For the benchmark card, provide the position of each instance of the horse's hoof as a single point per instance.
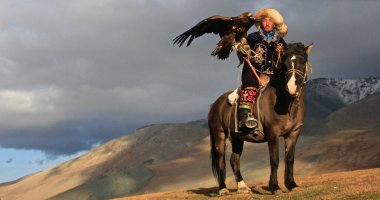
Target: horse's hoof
(244, 190)
(224, 191)
(277, 192)
(274, 188)
(291, 185)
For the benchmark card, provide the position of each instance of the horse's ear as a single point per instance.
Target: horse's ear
(308, 48)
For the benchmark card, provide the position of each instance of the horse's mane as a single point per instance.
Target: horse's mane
(295, 48)
(292, 48)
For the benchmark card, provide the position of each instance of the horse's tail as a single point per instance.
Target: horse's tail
(213, 151)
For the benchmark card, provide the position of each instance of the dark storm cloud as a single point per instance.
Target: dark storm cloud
(76, 73)
(344, 34)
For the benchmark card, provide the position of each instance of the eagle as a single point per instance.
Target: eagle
(232, 31)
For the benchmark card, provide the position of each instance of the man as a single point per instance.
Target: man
(267, 45)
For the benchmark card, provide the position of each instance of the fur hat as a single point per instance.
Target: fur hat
(279, 23)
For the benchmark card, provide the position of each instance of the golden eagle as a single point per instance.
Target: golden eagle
(232, 31)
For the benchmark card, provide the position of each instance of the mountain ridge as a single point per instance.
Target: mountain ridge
(348, 90)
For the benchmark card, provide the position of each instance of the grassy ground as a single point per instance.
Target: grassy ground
(360, 184)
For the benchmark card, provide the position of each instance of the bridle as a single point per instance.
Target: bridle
(304, 75)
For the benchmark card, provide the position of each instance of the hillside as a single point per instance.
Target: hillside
(360, 184)
(349, 139)
(351, 117)
(342, 148)
(324, 96)
(168, 157)
(118, 167)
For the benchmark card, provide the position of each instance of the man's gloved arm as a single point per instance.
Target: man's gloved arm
(243, 50)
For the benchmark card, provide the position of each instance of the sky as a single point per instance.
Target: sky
(77, 73)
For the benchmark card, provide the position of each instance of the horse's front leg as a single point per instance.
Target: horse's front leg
(237, 150)
(290, 146)
(273, 154)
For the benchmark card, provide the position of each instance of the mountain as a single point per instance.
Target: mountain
(346, 90)
(165, 157)
(348, 139)
(326, 95)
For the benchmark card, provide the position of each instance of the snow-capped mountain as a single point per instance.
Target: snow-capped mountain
(348, 91)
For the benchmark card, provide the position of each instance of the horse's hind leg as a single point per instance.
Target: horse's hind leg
(290, 146)
(237, 150)
(218, 145)
(274, 159)
(221, 172)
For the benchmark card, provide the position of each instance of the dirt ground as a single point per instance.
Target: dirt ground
(359, 184)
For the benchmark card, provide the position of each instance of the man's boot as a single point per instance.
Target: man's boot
(245, 116)
(246, 120)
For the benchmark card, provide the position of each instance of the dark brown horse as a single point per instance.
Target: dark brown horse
(281, 114)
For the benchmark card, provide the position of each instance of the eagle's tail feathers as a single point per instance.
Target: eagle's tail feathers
(221, 52)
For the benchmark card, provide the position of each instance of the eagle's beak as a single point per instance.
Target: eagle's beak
(251, 17)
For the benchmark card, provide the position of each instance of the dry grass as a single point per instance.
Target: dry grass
(360, 184)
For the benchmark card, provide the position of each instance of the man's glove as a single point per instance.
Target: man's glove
(280, 49)
(243, 51)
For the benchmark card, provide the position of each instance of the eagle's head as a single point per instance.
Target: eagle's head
(248, 15)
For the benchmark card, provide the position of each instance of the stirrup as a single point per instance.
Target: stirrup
(250, 122)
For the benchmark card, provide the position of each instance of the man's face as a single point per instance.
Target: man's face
(267, 24)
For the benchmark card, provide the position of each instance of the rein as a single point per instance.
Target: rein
(254, 71)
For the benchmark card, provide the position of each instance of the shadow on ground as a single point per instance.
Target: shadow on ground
(214, 191)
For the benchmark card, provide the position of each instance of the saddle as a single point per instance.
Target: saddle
(233, 99)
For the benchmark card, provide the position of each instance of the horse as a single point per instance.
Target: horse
(281, 114)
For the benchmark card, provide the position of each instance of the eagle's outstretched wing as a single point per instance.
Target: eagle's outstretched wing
(215, 24)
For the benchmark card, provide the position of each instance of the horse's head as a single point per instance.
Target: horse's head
(297, 67)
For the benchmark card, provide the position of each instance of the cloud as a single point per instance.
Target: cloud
(39, 162)
(79, 72)
(9, 160)
(37, 100)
